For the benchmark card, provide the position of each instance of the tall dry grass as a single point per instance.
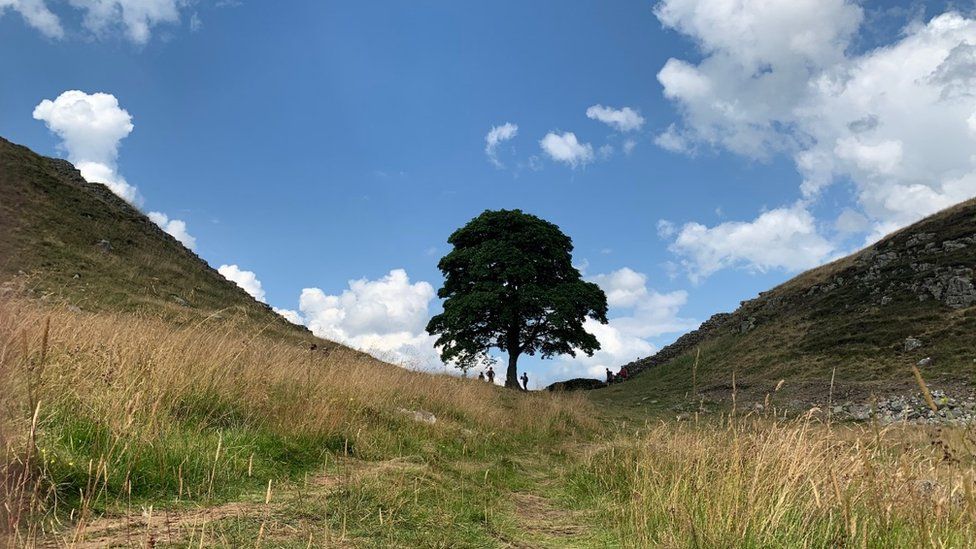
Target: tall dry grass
(763, 482)
(103, 410)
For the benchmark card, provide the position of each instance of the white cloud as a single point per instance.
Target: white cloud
(624, 287)
(784, 238)
(665, 228)
(386, 317)
(567, 149)
(629, 146)
(776, 77)
(135, 18)
(672, 140)
(495, 137)
(642, 313)
(37, 15)
(622, 120)
(91, 126)
(291, 316)
(174, 227)
(851, 222)
(245, 279)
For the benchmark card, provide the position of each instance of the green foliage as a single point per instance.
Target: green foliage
(510, 284)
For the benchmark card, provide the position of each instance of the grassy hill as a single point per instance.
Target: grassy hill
(850, 321)
(68, 241)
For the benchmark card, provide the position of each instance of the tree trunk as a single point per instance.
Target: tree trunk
(511, 376)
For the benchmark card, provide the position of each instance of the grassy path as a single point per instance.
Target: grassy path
(391, 503)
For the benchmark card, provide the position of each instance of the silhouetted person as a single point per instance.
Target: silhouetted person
(481, 376)
(609, 376)
(622, 375)
(525, 380)
(491, 374)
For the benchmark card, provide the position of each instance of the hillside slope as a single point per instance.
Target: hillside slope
(864, 320)
(63, 239)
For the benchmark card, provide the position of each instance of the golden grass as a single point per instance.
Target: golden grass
(133, 405)
(107, 414)
(762, 482)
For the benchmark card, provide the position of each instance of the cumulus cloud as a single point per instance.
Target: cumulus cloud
(622, 120)
(784, 238)
(247, 280)
(37, 15)
(175, 228)
(637, 313)
(386, 317)
(567, 149)
(495, 137)
(291, 316)
(91, 126)
(777, 77)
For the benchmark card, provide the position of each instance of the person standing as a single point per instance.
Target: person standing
(490, 373)
(525, 381)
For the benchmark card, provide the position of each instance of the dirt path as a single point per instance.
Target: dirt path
(539, 522)
(544, 524)
(189, 526)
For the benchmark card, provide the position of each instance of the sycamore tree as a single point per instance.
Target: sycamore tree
(510, 284)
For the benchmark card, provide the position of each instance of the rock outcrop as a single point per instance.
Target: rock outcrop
(928, 267)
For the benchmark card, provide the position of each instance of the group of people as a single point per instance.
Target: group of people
(489, 376)
(622, 375)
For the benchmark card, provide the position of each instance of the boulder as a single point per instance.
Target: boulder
(912, 343)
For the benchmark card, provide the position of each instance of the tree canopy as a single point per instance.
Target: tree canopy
(510, 284)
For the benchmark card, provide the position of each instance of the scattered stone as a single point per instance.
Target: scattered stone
(74, 308)
(419, 416)
(927, 361)
(104, 245)
(912, 343)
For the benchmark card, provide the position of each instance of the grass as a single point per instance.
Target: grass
(851, 316)
(51, 227)
(754, 482)
(134, 431)
(132, 412)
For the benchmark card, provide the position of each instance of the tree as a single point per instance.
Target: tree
(510, 284)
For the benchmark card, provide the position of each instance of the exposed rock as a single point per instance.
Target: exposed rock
(927, 361)
(420, 416)
(952, 245)
(920, 238)
(912, 343)
(104, 245)
(960, 292)
(747, 325)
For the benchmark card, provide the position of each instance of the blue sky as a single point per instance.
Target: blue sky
(316, 143)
